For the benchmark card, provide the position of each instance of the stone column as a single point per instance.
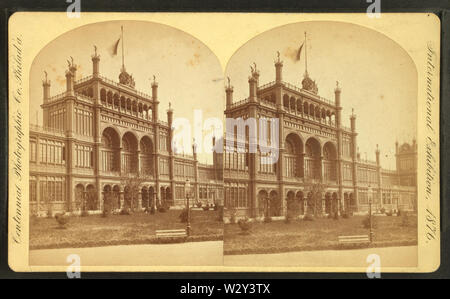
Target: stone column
(138, 161)
(122, 199)
(139, 207)
(38, 194)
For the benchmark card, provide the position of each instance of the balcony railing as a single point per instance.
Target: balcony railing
(319, 98)
(82, 80)
(57, 97)
(49, 130)
(267, 85)
(84, 97)
(118, 85)
(236, 104)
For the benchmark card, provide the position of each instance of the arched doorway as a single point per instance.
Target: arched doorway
(168, 196)
(292, 207)
(116, 197)
(301, 202)
(327, 203)
(145, 199)
(352, 202)
(127, 197)
(275, 204)
(335, 202)
(79, 197)
(91, 198)
(163, 195)
(107, 198)
(151, 195)
(263, 203)
(346, 202)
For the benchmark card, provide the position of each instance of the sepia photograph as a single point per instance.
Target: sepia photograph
(104, 173)
(224, 142)
(325, 154)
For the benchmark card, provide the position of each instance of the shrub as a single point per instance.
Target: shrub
(389, 213)
(199, 204)
(49, 212)
(345, 215)
(233, 215)
(206, 208)
(267, 219)
(382, 210)
(233, 218)
(366, 222)
(216, 207)
(84, 213)
(105, 213)
(245, 225)
(405, 220)
(125, 211)
(308, 217)
(336, 216)
(62, 219)
(333, 215)
(161, 209)
(183, 216)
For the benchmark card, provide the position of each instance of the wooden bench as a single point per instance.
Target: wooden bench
(171, 233)
(354, 239)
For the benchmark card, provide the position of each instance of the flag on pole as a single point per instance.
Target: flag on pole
(299, 52)
(115, 47)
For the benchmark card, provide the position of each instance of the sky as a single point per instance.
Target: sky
(377, 77)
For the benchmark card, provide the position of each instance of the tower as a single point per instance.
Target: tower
(229, 93)
(95, 63)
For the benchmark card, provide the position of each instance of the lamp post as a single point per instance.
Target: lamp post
(187, 189)
(370, 213)
(396, 195)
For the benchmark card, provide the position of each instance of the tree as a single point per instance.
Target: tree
(314, 190)
(109, 203)
(132, 183)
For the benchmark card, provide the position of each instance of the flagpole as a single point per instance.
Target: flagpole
(123, 59)
(306, 56)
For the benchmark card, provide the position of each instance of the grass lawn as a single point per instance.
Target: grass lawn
(139, 228)
(278, 236)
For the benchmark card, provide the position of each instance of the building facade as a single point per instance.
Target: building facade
(314, 148)
(97, 136)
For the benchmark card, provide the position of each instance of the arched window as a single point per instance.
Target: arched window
(312, 159)
(146, 158)
(129, 153)
(110, 150)
(293, 156)
(329, 162)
